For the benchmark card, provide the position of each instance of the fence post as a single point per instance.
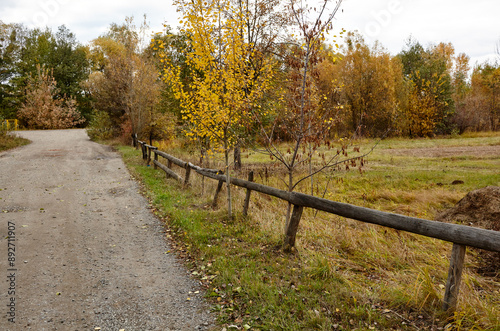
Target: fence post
(292, 228)
(144, 151)
(150, 149)
(134, 140)
(169, 164)
(247, 197)
(156, 159)
(454, 277)
(217, 191)
(188, 173)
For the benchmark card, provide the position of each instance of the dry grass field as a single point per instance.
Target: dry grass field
(345, 275)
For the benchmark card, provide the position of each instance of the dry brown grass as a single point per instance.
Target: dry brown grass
(379, 265)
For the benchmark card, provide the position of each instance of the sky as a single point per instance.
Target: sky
(473, 27)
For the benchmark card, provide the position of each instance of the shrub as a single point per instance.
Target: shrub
(100, 126)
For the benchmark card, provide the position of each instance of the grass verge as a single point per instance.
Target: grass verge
(346, 275)
(8, 141)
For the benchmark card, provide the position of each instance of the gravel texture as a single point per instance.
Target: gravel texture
(89, 253)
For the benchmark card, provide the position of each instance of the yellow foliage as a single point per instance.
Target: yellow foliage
(219, 100)
(422, 112)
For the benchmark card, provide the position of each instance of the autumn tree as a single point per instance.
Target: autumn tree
(174, 48)
(461, 90)
(217, 102)
(370, 79)
(304, 123)
(330, 86)
(44, 108)
(482, 102)
(63, 55)
(265, 26)
(124, 83)
(429, 88)
(142, 102)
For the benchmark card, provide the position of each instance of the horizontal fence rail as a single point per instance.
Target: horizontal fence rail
(455, 233)
(460, 235)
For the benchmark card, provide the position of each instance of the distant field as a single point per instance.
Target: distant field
(346, 274)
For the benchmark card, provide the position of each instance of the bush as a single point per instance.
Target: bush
(3, 127)
(160, 127)
(42, 109)
(100, 126)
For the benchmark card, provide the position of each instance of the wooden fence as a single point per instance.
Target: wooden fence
(460, 235)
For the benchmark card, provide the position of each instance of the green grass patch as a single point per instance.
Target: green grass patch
(9, 141)
(248, 279)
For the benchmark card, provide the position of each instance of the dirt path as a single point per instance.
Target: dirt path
(88, 252)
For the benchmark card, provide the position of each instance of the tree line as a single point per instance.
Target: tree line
(126, 82)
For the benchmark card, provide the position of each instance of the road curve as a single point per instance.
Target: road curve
(85, 250)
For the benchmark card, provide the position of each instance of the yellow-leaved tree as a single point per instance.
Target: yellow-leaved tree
(225, 87)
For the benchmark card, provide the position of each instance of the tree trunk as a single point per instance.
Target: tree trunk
(289, 208)
(311, 167)
(134, 140)
(237, 157)
(292, 228)
(202, 157)
(228, 183)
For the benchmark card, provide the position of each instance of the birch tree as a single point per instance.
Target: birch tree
(225, 86)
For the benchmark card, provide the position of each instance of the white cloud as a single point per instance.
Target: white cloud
(86, 19)
(472, 27)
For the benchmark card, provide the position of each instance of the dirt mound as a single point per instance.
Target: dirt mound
(479, 208)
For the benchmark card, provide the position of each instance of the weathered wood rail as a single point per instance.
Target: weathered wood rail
(460, 235)
(146, 155)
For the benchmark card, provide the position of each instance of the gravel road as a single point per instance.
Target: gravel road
(88, 254)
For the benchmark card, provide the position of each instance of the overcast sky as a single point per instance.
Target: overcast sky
(472, 26)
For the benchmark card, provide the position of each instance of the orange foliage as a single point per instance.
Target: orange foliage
(42, 110)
